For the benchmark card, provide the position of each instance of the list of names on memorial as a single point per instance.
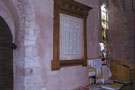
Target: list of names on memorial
(71, 38)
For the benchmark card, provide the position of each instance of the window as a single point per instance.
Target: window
(104, 25)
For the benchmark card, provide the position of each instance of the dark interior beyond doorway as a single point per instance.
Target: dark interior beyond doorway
(6, 57)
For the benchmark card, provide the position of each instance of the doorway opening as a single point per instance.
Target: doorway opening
(6, 57)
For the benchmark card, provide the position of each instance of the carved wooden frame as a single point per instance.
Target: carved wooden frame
(73, 8)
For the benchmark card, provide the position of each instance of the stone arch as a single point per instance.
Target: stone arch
(27, 66)
(9, 21)
(7, 17)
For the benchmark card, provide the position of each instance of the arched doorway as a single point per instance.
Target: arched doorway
(6, 57)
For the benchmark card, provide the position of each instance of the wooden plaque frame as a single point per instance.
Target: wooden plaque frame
(75, 9)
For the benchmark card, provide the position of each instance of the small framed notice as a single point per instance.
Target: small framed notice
(69, 42)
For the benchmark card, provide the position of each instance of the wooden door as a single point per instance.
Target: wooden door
(6, 57)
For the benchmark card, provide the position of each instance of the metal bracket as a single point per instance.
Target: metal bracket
(9, 45)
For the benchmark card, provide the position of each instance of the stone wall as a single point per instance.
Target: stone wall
(27, 68)
(33, 34)
(31, 60)
(122, 30)
(69, 77)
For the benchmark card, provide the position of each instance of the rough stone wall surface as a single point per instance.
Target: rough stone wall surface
(69, 77)
(31, 60)
(122, 30)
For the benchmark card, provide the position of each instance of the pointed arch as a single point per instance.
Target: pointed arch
(25, 32)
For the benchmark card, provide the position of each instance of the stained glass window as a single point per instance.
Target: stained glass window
(104, 16)
(104, 24)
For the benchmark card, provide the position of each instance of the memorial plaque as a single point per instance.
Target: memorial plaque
(70, 34)
(71, 37)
